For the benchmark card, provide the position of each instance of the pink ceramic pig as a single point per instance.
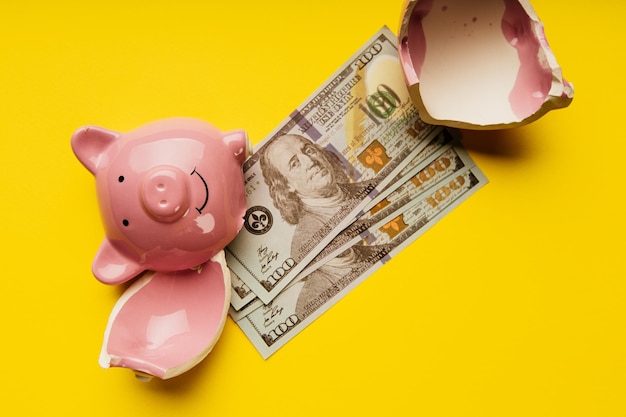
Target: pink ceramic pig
(171, 196)
(170, 192)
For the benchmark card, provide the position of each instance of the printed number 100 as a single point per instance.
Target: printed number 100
(381, 104)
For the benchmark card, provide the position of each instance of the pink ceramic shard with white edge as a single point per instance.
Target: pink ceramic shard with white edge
(482, 64)
(167, 322)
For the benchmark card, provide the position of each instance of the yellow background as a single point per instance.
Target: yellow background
(513, 305)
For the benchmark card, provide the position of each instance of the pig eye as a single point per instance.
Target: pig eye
(125, 222)
(120, 178)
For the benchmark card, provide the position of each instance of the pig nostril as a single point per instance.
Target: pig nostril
(161, 187)
(163, 203)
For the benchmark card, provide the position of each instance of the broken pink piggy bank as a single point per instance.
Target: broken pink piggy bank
(483, 64)
(171, 197)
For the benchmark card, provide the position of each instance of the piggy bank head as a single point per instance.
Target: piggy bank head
(171, 194)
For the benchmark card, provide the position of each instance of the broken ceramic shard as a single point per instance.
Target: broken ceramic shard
(167, 322)
(482, 64)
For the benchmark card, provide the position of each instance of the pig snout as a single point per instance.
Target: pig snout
(165, 193)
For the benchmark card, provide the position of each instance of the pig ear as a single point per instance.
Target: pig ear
(90, 142)
(238, 143)
(111, 266)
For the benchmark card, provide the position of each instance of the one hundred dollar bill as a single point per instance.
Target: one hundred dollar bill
(272, 326)
(322, 166)
(446, 161)
(243, 296)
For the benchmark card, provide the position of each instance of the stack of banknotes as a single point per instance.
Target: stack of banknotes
(342, 185)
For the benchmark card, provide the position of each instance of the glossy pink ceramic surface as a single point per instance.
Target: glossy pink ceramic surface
(167, 322)
(170, 194)
(481, 64)
(171, 197)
